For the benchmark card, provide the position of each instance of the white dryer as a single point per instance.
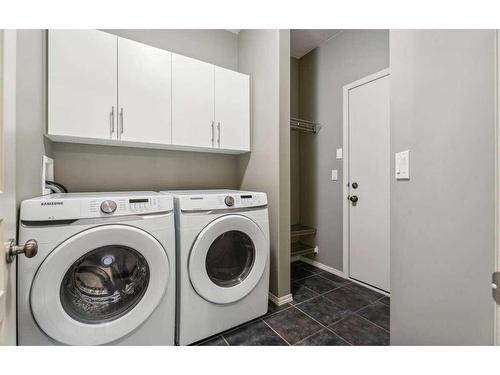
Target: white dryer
(104, 272)
(222, 239)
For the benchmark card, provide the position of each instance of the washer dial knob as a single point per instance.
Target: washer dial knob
(229, 201)
(108, 206)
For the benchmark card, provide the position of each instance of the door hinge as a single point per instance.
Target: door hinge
(495, 286)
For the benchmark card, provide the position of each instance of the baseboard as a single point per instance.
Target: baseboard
(324, 267)
(341, 274)
(370, 287)
(278, 301)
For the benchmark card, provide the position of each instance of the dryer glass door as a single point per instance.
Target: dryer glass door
(228, 259)
(99, 285)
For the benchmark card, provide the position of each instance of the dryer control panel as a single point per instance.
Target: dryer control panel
(218, 200)
(74, 206)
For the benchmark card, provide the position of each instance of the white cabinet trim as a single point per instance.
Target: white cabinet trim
(157, 146)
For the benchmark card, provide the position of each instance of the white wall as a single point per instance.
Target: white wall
(101, 168)
(442, 219)
(265, 55)
(349, 56)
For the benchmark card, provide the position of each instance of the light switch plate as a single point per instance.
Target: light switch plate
(339, 153)
(334, 175)
(402, 165)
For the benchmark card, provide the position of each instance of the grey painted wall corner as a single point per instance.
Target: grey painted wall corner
(262, 55)
(347, 57)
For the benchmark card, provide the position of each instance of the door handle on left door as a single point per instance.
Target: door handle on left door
(121, 123)
(218, 133)
(29, 249)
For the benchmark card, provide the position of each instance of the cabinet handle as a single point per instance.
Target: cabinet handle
(112, 121)
(218, 133)
(213, 122)
(121, 121)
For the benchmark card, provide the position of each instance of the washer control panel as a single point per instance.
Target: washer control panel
(74, 206)
(127, 206)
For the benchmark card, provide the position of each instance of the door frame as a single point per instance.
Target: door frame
(8, 148)
(345, 165)
(496, 324)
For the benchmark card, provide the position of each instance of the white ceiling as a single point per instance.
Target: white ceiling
(304, 41)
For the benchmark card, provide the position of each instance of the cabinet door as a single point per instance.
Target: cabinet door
(144, 93)
(232, 109)
(82, 83)
(192, 102)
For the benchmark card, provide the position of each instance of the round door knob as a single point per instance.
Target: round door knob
(108, 206)
(353, 198)
(229, 201)
(29, 249)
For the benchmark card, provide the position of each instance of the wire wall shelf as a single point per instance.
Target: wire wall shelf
(304, 126)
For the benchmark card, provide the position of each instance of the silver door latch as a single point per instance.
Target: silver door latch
(29, 249)
(495, 286)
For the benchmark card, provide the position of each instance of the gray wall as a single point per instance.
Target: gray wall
(107, 168)
(349, 56)
(31, 113)
(442, 220)
(101, 168)
(265, 55)
(284, 164)
(294, 144)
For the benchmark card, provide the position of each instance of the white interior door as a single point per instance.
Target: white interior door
(82, 84)
(144, 93)
(192, 102)
(7, 184)
(232, 109)
(369, 177)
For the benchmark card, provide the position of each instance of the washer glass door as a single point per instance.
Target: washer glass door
(99, 285)
(228, 259)
(104, 284)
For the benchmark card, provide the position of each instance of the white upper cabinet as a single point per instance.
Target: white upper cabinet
(104, 89)
(232, 109)
(192, 102)
(144, 93)
(82, 83)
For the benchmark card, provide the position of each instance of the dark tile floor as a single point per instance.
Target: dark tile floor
(326, 310)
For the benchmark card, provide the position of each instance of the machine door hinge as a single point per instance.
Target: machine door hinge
(495, 285)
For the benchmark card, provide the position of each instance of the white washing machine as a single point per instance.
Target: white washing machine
(222, 239)
(104, 273)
